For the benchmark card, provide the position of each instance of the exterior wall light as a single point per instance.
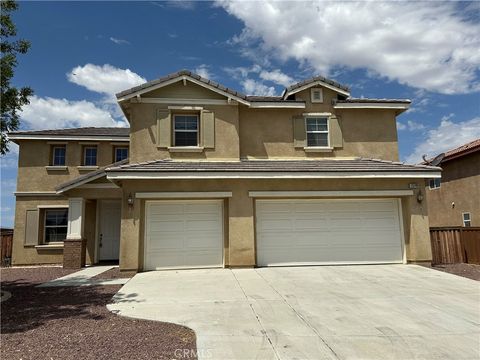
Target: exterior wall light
(419, 197)
(130, 200)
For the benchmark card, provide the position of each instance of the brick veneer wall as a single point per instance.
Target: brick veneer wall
(74, 252)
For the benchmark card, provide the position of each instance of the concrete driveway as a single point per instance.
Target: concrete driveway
(326, 312)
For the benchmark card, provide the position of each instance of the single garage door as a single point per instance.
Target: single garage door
(183, 234)
(309, 232)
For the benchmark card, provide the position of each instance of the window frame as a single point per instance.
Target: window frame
(85, 155)
(116, 148)
(45, 226)
(197, 116)
(312, 98)
(317, 131)
(52, 160)
(434, 182)
(465, 221)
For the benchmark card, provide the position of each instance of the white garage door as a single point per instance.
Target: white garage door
(183, 234)
(308, 232)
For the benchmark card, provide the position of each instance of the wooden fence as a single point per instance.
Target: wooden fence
(452, 245)
(6, 236)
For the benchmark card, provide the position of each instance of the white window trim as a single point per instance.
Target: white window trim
(312, 99)
(53, 155)
(60, 207)
(317, 148)
(197, 131)
(435, 187)
(469, 219)
(84, 165)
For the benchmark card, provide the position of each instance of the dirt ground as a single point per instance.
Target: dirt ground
(74, 323)
(115, 273)
(471, 271)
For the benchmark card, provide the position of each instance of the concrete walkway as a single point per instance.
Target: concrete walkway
(325, 312)
(84, 278)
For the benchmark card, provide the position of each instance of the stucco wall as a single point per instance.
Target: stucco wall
(240, 247)
(460, 184)
(34, 156)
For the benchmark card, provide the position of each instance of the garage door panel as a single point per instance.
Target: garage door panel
(328, 231)
(183, 234)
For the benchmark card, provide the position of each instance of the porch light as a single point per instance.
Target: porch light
(419, 197)
(130, 200)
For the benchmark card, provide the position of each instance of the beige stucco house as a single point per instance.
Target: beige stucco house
(208, 177)
(454, 200)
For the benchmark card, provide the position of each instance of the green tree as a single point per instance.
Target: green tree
(12, 98)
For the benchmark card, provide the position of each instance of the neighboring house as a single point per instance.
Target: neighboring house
(216, 178)
(454, 200)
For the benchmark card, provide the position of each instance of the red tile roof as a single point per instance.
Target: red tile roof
(465, 149)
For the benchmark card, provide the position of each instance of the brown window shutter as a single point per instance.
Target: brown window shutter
(336, 138)
(207, 128)
(31, 228)
(164, 129)
(299, 132)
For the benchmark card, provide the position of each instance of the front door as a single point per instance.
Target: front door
(109, 236)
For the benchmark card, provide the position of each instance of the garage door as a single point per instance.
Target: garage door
(183, 234)
(308, 232)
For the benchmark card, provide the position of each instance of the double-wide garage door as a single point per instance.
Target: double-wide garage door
(301, 232)
(183, 234)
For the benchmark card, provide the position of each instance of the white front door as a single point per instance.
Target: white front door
(183, 234)
(309, 232)
(109, 236)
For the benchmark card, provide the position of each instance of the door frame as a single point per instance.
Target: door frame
(145, 232)
(397, 203)
(98, 226)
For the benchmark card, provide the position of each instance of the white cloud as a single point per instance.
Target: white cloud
(51, 113)
(401, 126)
(10, 160)
(119, 41)
(105, 79)
(410, 126)
(427, 45)
(203, 71)
(253, 87)
(448, 135)
(277, 77)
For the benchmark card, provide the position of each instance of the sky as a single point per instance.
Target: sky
(84, 52)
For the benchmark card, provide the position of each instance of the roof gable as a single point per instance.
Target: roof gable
(316, 81)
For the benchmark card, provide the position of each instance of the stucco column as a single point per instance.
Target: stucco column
(74, 249)
(131, 236)
(417, 229)
(241, 233)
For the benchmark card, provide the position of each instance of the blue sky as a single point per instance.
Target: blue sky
(82, 53)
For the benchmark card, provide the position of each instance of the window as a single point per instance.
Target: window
(90, 156)
(317, 132)
(56, 221)
(185, 130)
(434, 183)
(121, 153)
(316, 95)
(467, 222)
(58, 155)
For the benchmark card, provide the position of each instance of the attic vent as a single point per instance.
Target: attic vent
(317, 95)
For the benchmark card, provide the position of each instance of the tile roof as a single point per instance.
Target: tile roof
(85, 131)
(371, 100)
(314, 79)
(465, 149)
(354, 165)
(82, 179)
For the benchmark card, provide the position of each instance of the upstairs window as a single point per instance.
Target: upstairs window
(56, 223)
(185, 130)
(467, 221)
(58, 155)
(90, 156)
(317, 132)
(121, 153)
(434, 183)
(316, 95)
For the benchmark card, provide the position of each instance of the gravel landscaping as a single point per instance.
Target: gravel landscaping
(114, 273)
(471, 271)
(74, 323)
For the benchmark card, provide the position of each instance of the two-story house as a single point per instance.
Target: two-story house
(215, 178)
